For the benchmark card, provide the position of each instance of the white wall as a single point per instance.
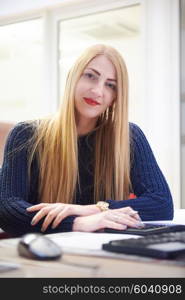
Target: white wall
(161, 87)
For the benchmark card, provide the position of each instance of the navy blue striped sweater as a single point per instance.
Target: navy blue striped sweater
(153, 200)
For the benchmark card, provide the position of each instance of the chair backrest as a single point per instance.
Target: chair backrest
(5, 128)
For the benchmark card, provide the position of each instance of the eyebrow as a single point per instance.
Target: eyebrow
(98, 73)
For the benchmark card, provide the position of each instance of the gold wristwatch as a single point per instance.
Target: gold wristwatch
(102, 205)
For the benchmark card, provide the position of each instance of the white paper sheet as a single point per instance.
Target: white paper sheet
(85, 243)
(91, 243)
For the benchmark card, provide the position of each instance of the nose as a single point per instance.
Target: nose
(97, 89)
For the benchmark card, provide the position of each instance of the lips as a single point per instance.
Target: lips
(91, 101)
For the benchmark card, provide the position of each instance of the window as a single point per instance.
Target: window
(21, 65)
(119, 28)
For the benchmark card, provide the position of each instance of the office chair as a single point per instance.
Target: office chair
(5, 128)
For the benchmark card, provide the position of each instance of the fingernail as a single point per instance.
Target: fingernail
(33, 222)
(42, 229)
(140, 225)
(124, 226)
(134, 212)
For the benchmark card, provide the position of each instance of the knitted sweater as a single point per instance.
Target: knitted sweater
(153, 200)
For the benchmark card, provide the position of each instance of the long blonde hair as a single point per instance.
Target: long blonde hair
(55, 140)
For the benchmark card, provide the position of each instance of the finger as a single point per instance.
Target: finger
(133, 214)
(42, 213)
(36, 207)
(132, 222)
(114, 225)
(136, 216)
(128, 210)
(62, 215)
(126, 220)
(52, 214)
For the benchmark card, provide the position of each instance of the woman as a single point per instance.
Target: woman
(56, 170)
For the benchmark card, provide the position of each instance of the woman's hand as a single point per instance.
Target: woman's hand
(113, 218)
(56, 212)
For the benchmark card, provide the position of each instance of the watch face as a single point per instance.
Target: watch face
(102, 205)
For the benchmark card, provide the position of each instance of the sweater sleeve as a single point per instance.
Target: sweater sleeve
(15, 190)
(153, 198)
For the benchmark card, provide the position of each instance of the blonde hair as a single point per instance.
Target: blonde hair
(55, 140)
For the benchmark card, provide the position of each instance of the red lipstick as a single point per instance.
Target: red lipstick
(91, 101)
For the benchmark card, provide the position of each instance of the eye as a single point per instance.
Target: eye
(89, 75)
(111, 86)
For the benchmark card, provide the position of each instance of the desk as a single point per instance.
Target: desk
(89, 266)
(106, 267)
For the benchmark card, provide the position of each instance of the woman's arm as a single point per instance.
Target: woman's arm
(54, 213)
(153, 200)
(16, 194)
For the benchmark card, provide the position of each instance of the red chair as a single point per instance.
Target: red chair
(132, 196)
(4, 235)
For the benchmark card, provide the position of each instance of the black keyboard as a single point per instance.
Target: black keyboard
(149, 229)
(164, 245)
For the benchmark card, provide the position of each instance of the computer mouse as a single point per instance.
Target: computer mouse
(38, 246)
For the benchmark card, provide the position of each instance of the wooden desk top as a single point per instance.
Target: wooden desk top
(78, 266)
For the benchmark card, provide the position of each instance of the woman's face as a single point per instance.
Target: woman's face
(96, 88)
